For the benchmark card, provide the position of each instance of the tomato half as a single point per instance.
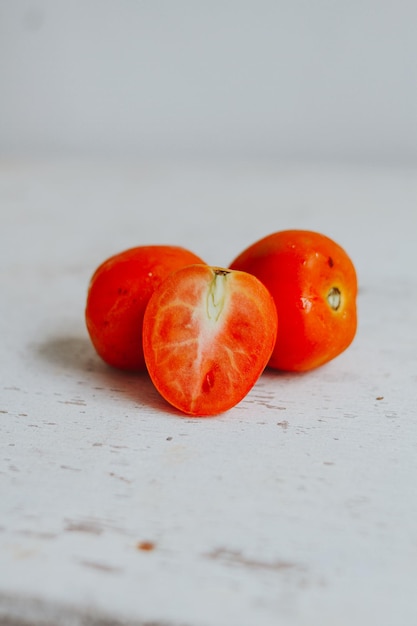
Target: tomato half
(118, 293)
(208, 334)
(314, 285)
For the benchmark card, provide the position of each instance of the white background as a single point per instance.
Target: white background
(207, 125)
(286, 79)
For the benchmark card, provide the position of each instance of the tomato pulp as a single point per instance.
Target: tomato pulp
(208, 334)
(314, 285)
(118, 293)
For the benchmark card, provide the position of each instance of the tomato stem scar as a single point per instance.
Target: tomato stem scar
(334, 298)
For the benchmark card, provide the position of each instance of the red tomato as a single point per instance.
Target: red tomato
(314, 286)
(207, 336)
(117, 297)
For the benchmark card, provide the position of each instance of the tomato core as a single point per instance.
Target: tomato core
(216, 294)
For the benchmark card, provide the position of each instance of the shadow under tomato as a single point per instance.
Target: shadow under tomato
(74, 356)
(272, 373)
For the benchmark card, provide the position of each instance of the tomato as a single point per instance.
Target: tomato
(314, 286)
(208, 334)
(118, 293)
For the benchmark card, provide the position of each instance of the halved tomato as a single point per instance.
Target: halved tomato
(208, 334)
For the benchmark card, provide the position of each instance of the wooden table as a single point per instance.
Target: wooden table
(298, 507)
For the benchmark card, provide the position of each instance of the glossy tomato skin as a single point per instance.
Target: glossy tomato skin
(208, 334)
(314, 285)
(118, 293)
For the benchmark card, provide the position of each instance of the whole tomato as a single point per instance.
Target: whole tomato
(118, 293)
(314, 285)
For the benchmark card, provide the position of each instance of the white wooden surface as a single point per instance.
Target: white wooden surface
(298, 507)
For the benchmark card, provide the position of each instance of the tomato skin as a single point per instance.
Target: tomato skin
(300, 268)
(208, 334)
(118, 293)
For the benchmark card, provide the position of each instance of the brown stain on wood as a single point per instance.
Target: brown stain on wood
(101, 567)
(145, 546)
(90, 528)
(234, 557)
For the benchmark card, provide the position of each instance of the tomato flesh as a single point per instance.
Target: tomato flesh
(208, 334)
(314, 286)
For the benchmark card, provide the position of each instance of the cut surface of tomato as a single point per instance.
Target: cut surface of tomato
(118, 293)
(208, 334)
(314, 285)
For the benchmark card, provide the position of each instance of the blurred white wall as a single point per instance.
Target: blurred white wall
(288, 79)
